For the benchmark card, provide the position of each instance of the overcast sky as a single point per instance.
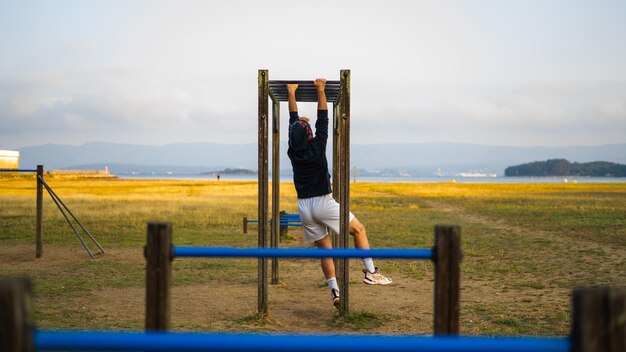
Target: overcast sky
(522, 73)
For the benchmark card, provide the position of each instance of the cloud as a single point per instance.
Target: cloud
(161, 72)
(120, 104)
(537, 114)
(144, 106)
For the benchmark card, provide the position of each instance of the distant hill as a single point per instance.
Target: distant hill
(231, 172)
(562, 167)
(416, 159)
(208, 156)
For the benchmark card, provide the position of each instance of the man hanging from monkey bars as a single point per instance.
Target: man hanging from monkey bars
(316, 206)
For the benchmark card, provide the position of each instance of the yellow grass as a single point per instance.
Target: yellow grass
(526, 246)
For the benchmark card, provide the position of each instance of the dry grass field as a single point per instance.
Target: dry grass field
(525, 245)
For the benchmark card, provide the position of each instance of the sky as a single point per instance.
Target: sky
(515, 73)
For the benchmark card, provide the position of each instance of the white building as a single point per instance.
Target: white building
(9, 159)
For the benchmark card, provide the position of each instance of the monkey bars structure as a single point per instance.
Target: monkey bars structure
(337, 92)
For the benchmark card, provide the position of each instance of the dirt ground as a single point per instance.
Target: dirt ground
(300, 303)
(295, 305)
(526, 247)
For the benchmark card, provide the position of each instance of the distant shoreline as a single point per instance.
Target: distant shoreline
(364, 179)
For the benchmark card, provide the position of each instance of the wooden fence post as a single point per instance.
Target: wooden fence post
(599, 320)
(275, 229)
(245, 224)
(38, 224)
(159, 255)
(283, 229)
(16, 325)
(336, 158)
(447, 257)
(263, 205)
(343, 269)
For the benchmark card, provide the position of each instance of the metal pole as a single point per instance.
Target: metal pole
(275, 185)
(54, 195)
(344, 193)
(51, 340)
(203, 252)
(263, 188)
(39, 225)
(17, 170)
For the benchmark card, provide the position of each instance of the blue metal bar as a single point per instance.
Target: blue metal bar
(17, 170)
(270, 220)
(302, 253)
(46, 340)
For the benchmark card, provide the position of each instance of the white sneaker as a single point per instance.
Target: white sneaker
(375, 278)
(335, 296)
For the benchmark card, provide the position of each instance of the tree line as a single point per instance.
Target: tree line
(562, 167)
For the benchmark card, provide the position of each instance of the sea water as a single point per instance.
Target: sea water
(451, 179)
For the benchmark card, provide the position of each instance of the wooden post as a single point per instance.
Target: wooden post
(336, 158)
(245, 224)
(283, 229)
(159, 257)
(275, 186)
(16, 324)
(263, 204)
(599, 320)
(447, 257)
(39, 224)
(344, 192)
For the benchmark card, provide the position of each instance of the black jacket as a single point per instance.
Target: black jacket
(310, 167)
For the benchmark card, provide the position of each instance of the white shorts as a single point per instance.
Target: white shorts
(316, 214)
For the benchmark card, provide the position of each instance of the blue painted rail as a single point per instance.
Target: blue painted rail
(291, 216)
(17, 170)
(286, 220)
(302, 253)
(290, 223)
(49, 340)
(281, 221)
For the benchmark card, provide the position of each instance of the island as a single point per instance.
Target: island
(562, 167)
(230, 172)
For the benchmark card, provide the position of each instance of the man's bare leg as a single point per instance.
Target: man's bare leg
(357, 230)
(372, 276)
(328, 266)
